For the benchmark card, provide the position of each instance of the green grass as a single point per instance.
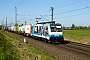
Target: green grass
(34, 51)
(7, 49)
(82, 36)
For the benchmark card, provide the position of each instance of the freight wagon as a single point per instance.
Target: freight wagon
(28, 30)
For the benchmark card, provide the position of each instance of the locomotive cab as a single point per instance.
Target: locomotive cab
(48, 31)
(56, 33)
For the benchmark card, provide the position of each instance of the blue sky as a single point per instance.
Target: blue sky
(28, 10)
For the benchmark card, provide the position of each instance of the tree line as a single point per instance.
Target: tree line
(73, 27)
(0, 27)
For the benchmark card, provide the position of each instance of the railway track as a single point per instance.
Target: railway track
(77, 47)
(66, 51)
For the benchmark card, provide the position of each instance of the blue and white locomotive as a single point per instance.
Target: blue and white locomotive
(48, 31)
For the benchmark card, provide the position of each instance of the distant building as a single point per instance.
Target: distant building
(67, 28)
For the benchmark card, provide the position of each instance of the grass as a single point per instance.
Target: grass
(27, 51)
(37, 52)
(7, 49)
(81, 36)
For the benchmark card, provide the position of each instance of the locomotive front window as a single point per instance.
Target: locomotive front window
(56, 29)
(53, 29)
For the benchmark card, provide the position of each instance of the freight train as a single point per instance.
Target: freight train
(45, 31)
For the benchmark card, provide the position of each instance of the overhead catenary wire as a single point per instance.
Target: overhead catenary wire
(40, 13)
(60, 7)
(24, 17)
(79, 14)
(44, 18)
(87, 3)
(73, 15)
(84, 8)
(72, 3)
(11, 12)
(73, 10)
(49, 10)
(45, 11)
(69, 5)
(16, 6)
(20, 3)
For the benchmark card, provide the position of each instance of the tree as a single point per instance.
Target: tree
(16, 24)
(73, 27)
(88, 27)
(85, 27)
(16, 27)
(0, 27)
(21, 25)
(77, 28)
(63, 27)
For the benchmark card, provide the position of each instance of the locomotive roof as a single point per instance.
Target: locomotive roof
(55, 24)
(51, 22)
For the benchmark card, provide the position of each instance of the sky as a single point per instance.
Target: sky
(66, 12)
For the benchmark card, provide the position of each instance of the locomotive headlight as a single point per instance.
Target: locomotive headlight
(61, 35)
(52, 35)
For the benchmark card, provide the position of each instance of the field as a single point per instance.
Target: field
(82, 36)
(12, 48)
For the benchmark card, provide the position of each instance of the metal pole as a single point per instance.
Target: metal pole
(15, 15)
(6, 23)
(25, 22)
(52, 13)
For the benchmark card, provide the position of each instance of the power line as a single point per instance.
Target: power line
(74, 15)
(57, 13)
(20, 3)
(87, 2)
(61, 7)
(24, 17)
(44, 18)
(16, 6)
(41, 13)
(79, 14)
(73, 10)
(11, 13)
(72, 3)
